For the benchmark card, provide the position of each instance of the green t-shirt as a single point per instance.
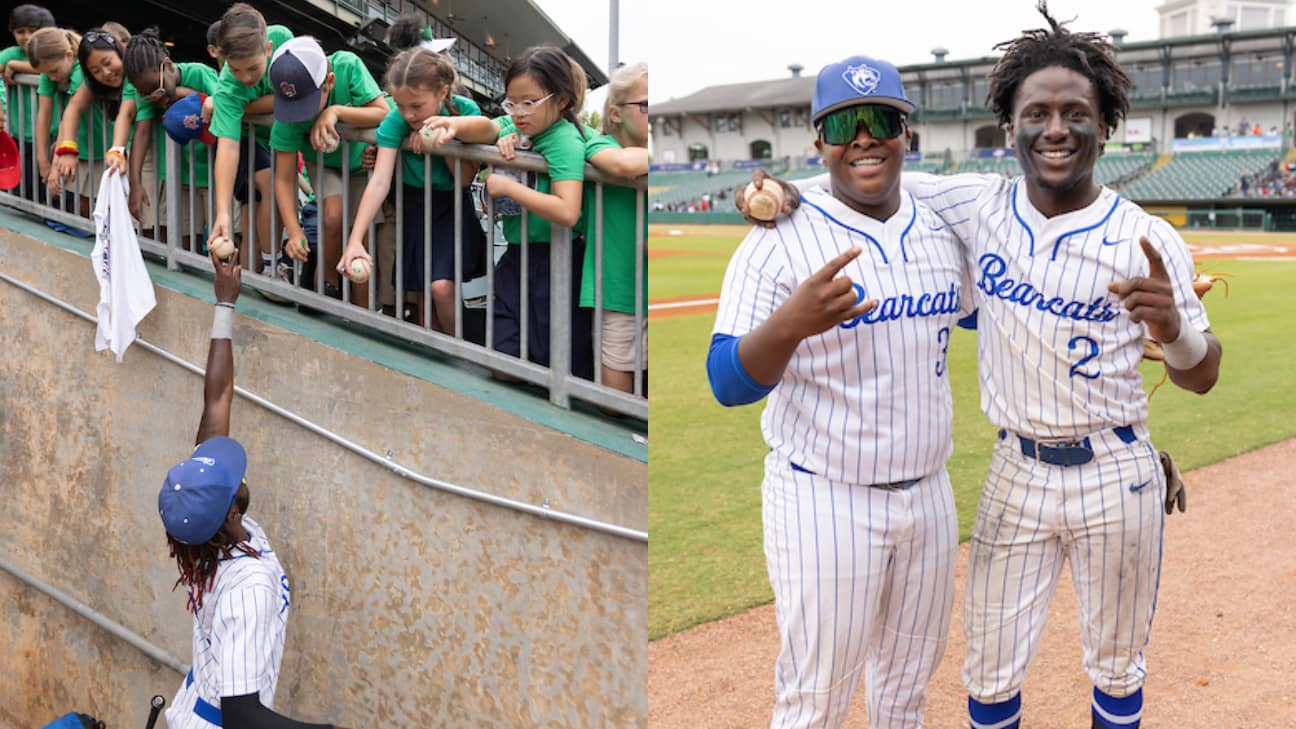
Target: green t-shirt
(193, 76)
(563, 148)
(231, 95)
(352, 86)
(96, 130)
(394, 130)
(21, 128)
(618, 240)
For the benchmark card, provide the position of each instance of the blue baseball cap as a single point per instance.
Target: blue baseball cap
(858, 80)
(183, 121)
(198, 493)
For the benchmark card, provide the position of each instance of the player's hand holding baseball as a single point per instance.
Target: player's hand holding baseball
(229, 277)
(821, 302)
(761, 178)
(1150, 299)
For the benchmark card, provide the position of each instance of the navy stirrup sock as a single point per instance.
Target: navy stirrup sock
(1004, 715)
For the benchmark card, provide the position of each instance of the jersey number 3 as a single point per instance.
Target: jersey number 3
(1092, 349)
(942, 339)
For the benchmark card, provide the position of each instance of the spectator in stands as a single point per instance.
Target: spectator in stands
(313, 93)
(24, 21)
(1257, 130)
(80, 139)
(1243, 127)
(154, 83)
(213, 45)
(621, 150)
(543, 97)
(243, 87)
(422, 84)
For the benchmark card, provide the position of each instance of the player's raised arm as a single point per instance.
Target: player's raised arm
(1192, 357)
(218, 385)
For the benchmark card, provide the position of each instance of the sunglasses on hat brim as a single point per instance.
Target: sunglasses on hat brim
(881, 121)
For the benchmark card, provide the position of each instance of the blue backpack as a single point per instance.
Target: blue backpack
(73, 720)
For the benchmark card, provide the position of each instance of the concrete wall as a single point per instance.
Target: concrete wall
(411, 607)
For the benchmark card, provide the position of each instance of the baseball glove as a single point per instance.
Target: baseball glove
(1175, 493)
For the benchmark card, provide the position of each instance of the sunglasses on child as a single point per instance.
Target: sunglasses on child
(95, 37)
(881, 122)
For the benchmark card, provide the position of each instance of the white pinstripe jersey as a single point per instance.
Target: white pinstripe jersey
(1058, 354)
(868, 401)
(238, 634)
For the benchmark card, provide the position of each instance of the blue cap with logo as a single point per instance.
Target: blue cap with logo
(183, 121)
(198, 493)
(858, 80)
(297, 74)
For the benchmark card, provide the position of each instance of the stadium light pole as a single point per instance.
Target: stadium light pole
(614, 7)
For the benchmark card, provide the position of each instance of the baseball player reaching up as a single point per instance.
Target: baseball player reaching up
(841, 314)
(238, 592)
(1070, 278)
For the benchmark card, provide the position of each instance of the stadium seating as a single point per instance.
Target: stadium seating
(1198, 175)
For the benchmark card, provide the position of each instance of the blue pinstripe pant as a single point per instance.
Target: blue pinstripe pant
(863, 583)
(1106, 517)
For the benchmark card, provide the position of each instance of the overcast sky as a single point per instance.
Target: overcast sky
(690, 44)
(587, 23)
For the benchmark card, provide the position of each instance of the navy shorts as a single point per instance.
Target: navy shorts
(508, 307)
(260, 162)
(441, 216)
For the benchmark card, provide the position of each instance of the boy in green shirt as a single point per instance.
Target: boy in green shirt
(312, 93)
(243, 88)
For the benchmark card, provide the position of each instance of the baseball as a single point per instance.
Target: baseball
(223, 247)
(359, 270)
(767, 202)
(331, 143)
(432, 137)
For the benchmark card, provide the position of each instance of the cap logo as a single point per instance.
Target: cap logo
(863, 78)
(193, 121)
(206, 461)
(288, 90)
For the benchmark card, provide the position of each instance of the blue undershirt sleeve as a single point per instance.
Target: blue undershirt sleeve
(969, 321)
(730, 383)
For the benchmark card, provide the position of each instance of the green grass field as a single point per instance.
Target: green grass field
(705, 557)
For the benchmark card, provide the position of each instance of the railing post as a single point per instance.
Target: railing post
(560, 324)
(173, 201)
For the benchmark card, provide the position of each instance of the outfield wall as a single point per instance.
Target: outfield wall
(412, 607)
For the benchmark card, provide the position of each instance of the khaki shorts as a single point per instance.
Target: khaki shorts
(383, 251)
(87, 184)
(199, 223)
(619, 341)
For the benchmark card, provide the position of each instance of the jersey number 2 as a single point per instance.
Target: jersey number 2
(1093, 352)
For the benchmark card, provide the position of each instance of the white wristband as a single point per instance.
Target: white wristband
(1188, 350)
(223, 322)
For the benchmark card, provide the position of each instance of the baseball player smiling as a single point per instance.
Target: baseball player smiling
(1070, 279)
(842, 314)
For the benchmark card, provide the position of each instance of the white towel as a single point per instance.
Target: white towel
(125, 290)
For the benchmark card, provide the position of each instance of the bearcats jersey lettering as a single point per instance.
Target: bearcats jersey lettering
(1058, 354)
(868, 401)
(238, 634)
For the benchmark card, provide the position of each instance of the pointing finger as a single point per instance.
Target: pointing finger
(1156, 267)
(834, 267)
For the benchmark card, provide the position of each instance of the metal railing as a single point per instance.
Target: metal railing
(185, 251)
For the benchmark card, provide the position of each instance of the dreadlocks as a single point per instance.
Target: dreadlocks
(144, 54)
(1089, 54)
(197, 563)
